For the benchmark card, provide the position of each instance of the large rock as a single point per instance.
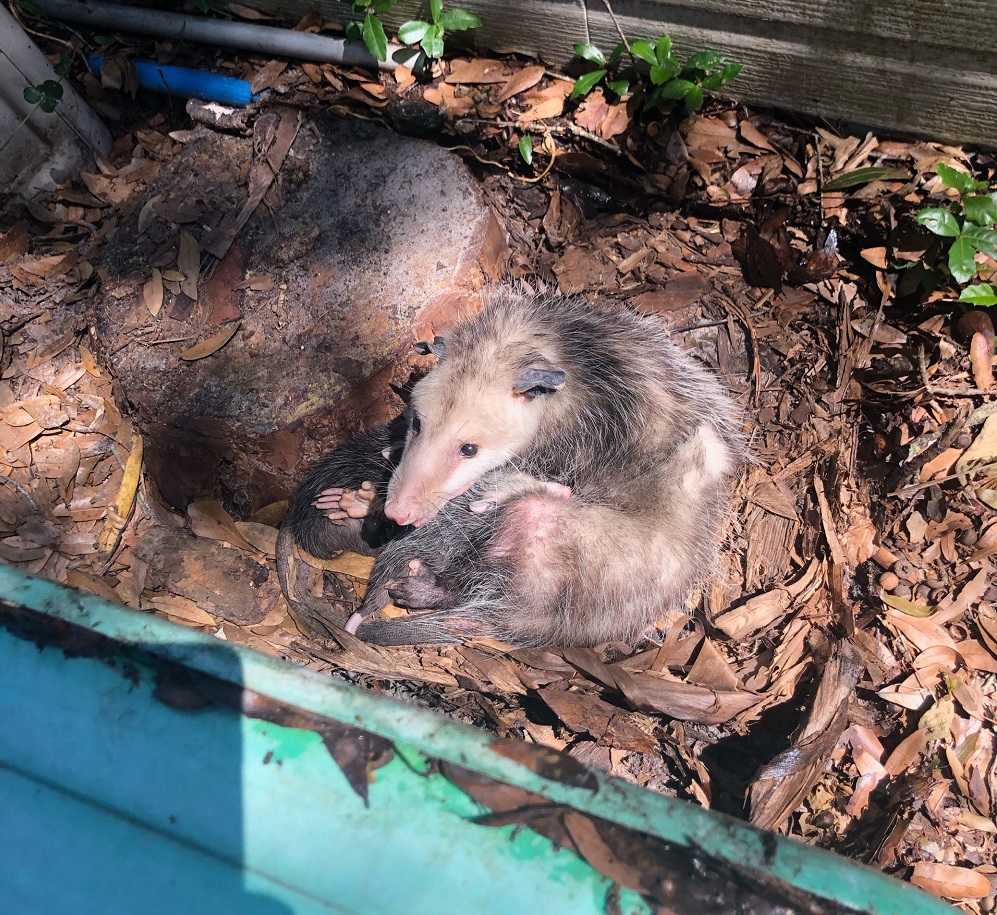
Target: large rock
(371, 239)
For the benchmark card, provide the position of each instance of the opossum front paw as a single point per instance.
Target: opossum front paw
(419, 590)
(502, 492)
(340, 505)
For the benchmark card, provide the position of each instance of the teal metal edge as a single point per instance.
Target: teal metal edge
(814, 870)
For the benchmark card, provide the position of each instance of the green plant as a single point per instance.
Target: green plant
(665, 82)
(45, 96)
(970, 224)
(370, 29)
(429, 35)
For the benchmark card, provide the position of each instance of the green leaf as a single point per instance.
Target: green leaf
(586, 83)
(981, 209)
(940, 221)
(693, 100)
(32, 95)
(588, 51)
(436, 9)
(432, 44)
(618, 51)
(619, 86)
(983, 240)
(382, 6)
(64, 65)
(906, 606)
(679, 88)
(979, 294)
(644, 50)
(962, 260)
(353, 31)
(374, 37)
(29, 6)
(728, 72)
(413, 31)
(526, 148)
(958, 180)
(654, 99)
(704, 60)
(663, 49)
(460, 20)
(661, 73)
(859, 176)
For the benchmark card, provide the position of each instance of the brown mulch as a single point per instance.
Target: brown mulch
(842, 667)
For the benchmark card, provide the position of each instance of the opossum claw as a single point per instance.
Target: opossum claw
(339, 504)
(419, 590)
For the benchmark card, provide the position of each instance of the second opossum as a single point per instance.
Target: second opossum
(564, 472)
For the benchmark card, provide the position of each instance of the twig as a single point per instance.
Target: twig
(619, 30)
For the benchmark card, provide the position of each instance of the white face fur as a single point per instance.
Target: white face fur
(453, 441)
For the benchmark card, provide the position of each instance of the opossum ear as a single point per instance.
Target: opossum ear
(534, 382)
(438, 347)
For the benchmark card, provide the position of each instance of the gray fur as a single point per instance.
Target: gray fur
(645, 437)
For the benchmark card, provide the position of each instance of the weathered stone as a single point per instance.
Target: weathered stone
(371, 240)
(225, 582)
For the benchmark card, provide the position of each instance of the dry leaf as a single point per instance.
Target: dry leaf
(208, 519)
(949, 881)
(214, 343)
(182, 609)
(525, 79)
(189, 264)
(981, 357)
(262, 536)
(152, 292)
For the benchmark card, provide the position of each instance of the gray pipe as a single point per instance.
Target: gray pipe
(246, 36)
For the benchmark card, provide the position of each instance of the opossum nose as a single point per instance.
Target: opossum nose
(400, 513)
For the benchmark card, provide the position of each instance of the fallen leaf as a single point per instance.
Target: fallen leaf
(950, 881)
(981, 356)
(152, 292)
(525, 79)
(189, 264)
(213, 343)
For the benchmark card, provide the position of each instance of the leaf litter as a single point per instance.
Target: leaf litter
(837, 680)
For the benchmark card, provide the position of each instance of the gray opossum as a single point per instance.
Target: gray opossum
(367, 459)
(563, 474)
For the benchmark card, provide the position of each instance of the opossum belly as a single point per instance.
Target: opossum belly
(580, 574)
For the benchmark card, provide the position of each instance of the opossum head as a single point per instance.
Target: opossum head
(466, 418)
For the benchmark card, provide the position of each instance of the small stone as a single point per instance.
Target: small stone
(888, 581)
(968, 537)
(903, 569)
(902, 591)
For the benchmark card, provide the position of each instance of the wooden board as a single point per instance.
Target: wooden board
(906, 65)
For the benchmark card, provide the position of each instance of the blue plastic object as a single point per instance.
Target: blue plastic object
(145, 767)
(188, 83)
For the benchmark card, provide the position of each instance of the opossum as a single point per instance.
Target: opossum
(563, 476)
(339, 506)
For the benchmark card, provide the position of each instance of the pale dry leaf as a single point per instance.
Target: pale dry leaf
(189, 264)
(981, 358)
(211, 345)
(937, 720)
(950, 881)
(208, 519)
(525, 79)
(181, 609)
(152, 292)
(261, 536)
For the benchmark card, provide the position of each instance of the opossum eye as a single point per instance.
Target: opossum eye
(469, 450)
(416, 424)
